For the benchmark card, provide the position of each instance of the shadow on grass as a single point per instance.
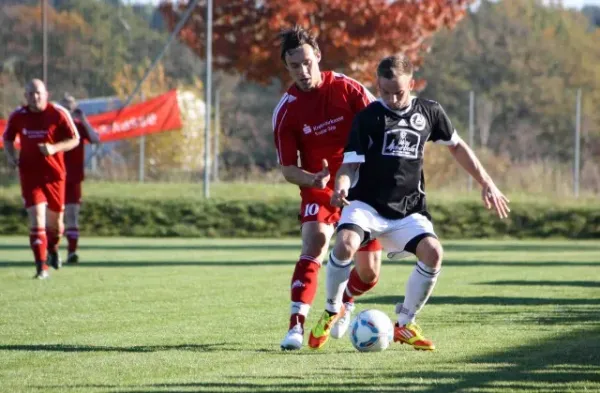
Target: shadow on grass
(583, 284)
(486, 300)
(510, 245)
(572, 359)
(261, 245)
(292, 261)
(135, 348)
(570, 362)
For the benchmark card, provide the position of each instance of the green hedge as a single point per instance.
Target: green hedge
(278, 218)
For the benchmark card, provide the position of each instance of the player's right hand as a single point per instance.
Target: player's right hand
(47, 149)
(339, 198)
(322, 177)
(13, 162)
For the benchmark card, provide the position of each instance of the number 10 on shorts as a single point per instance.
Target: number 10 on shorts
(311, 209)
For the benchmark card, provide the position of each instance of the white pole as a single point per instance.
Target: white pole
(45, 42)
(471, 131)
(216, 136)
(208, 97)
(576, 168)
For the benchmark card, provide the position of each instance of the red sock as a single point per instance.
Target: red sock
(72, 237)
(356, 287)
(304, 285)
(39, 242)
(53, 238)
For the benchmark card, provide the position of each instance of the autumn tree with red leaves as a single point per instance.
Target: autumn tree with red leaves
(352, 34)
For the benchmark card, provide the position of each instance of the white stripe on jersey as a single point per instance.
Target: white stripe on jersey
(68, 116)
(279, 139)
(454, 139)
(370, 95)
(350, 157)
(282, 101)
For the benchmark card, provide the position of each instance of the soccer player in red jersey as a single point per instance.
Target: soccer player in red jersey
(311, 124)
(45, 132)
(75, 162)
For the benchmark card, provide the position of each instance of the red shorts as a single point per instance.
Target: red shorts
(53, 194)
(73, 193)
(316, 206)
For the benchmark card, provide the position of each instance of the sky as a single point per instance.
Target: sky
(568, 3)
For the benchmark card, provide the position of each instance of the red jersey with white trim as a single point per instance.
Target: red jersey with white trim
(75, 159)
(52, 125)
(314, 125)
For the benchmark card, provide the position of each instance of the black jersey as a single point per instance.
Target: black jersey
(389, 144)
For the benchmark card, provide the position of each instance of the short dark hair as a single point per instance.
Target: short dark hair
(295, 37)
(395, 65)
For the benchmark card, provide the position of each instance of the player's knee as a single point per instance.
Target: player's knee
(346, 244)
(430, 252)
(368, 274)
(315, 244)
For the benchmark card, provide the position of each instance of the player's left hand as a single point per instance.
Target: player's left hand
(47, 149)
(322, 177)
(493, 198)
(339, 198)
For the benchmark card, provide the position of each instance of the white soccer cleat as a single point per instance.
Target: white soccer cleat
(293, 339)
(41, 275)
(341, 326)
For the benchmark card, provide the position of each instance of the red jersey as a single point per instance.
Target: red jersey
(74, 159)
(317, 123)
(54, 124)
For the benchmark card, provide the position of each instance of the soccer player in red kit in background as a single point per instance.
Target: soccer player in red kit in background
(312, 122)
(75, 162)
(45, 131)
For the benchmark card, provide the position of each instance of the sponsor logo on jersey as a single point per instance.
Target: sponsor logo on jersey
(322, 128)
(403, 123)
(401, 143)
(418, 122)
(34, 134)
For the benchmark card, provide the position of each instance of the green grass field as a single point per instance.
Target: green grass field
(181, 315)
(269, 191)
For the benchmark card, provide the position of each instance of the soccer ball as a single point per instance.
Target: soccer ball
(371, 331)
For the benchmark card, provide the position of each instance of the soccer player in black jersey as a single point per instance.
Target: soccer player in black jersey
(381, 187)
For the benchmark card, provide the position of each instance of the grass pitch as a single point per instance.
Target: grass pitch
(184, 315)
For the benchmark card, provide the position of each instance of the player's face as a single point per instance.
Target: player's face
(395, 92)
(303, 65)
(36, 96)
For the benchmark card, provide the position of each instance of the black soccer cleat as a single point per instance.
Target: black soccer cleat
(54, 260)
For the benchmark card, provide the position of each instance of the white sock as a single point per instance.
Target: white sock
(418, 289)
(338, 272)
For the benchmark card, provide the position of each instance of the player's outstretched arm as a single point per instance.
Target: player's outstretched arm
(93, 135)
(300, 177)
(11, 153)
(343, 181)
(490, 194)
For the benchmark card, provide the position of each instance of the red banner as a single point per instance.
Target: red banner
(156, 115)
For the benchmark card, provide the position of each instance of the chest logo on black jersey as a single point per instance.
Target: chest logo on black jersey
(401, 142)
(418, 122)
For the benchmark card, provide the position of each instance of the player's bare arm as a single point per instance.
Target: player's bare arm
(11, 153)
(49, 149)
(300, 177)
(490, 194)
(94, 137)
(343, 181)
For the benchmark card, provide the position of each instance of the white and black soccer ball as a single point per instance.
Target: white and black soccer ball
(371, 331)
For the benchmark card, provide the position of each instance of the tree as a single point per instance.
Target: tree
(353, 35)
